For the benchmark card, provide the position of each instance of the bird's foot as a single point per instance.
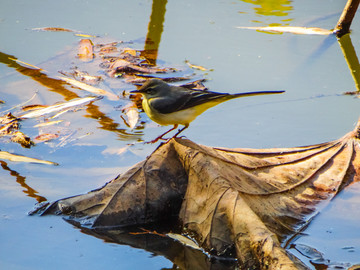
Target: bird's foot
(156, 140)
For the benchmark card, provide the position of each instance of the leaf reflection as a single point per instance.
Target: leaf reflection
(29, 191)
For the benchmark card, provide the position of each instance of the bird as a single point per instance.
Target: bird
(175, 105)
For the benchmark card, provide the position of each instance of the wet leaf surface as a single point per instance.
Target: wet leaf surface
(232, 201)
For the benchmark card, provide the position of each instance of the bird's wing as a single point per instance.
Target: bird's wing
(168, 104)
(201, 97)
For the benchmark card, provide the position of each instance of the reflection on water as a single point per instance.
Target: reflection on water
(279, 8)
(351, 58)
(54, 85)
(155, 29)
(107, 123)
(29, 191)
(182, 256)
(58, 86)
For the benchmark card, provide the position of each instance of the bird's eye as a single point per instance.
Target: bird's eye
(150, 91)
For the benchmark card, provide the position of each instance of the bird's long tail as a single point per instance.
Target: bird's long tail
(248, 94)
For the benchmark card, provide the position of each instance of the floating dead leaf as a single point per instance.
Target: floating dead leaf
(231, 201)
(195, 66)
(53, 29)
(58, 107)
(46, 137)
(9, 123)
(49, 123)
(8, 118)
(18, 158)
(33, 107)
(130, 51)
(85, 35)
(86, 50)
(86, 78)
(132, 114)
(108, 50)
(89, 88)
(120, 66)
(25, 64)
(291, 29)
(22, 139)
(59, 113)
(198, 85)
(184, 240)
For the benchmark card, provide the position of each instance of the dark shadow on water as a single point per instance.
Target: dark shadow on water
(29, 191)
(183, 257)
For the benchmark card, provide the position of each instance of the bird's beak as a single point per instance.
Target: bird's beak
(136, 91)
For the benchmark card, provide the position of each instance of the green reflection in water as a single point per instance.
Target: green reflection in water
(155, 29)
(271, 7)
(279, 8)
(29, 191)
(351, 58)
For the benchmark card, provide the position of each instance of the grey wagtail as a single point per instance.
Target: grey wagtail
(173, 105)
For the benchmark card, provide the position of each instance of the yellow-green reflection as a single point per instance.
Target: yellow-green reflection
(29, 191)
(278, 8)
(271, 7)
(351, 58)
(155, 29)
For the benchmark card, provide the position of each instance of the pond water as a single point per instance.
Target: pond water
(93, 144)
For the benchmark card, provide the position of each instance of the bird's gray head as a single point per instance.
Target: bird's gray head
(153, 88)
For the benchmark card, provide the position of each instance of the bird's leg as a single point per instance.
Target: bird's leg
(181, 130)
(162, 135)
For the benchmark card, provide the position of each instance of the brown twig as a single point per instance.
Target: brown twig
(343, 25)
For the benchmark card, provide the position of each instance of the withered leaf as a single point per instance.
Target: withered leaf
(291, 29)
(33, 107)
(22, 139)
(58, 107)
(89, 88)
(52, 29)
(86, 50)
(132, 115)
(242, 200)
